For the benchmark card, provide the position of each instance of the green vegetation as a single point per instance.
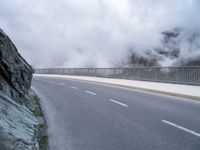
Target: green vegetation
(42, 125)
(44, 142)
(35, 108)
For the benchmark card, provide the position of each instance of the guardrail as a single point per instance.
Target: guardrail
(179, 75)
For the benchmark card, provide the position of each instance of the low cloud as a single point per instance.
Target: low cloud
(93, 33)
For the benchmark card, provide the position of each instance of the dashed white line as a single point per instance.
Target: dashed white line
(181, 128)
(89, 92)
(117, 102)
(61, 84)
(73, 87)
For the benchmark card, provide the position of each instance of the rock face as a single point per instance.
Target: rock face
(18, 125)
(15, 72)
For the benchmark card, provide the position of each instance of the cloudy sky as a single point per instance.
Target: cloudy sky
(87, 33)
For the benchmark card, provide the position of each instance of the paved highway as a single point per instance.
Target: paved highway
(87, 116)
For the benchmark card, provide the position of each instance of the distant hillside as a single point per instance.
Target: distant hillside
(177, 48)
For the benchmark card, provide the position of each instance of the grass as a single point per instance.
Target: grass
(36, 105)
(36, 98)
(42, 125)
(44, 142)
(37, 111)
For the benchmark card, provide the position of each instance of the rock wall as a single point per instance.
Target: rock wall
(18, 125)
(15, 72)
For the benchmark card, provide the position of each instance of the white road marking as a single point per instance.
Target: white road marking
(181, 128)
(73, 87)
(61, 84)
(117, 102)
(91, 92)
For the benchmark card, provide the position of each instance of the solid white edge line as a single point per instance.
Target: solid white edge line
(91, 92)
(181, 128)
(73, 87)
(117, 102)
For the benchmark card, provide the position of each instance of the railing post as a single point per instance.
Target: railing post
(155, 74)
(139, 73)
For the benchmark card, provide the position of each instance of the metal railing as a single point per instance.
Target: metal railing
(179, 75)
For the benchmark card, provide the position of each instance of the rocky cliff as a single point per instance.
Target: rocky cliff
(15, 72)
(18, 126)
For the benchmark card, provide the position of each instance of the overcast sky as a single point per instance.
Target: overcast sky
(87, 33)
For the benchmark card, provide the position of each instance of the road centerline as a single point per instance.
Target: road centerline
(73, 87)
(61, 84)
(181, 128)
(89, 92)
(117, 102)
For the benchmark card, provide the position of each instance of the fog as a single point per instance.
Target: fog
(96, 33)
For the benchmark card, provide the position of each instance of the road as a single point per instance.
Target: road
(88, 116)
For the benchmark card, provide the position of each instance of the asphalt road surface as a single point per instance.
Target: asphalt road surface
(88, 116)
